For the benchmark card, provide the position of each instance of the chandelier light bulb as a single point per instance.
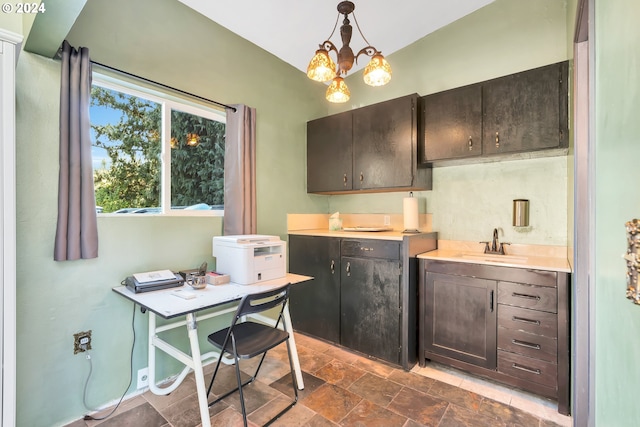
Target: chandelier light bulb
(378, 71)
(321, 68)
(338, 92)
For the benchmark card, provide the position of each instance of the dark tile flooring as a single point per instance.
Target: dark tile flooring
(341, 389)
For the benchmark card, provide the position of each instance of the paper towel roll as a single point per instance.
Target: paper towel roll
(410, 213)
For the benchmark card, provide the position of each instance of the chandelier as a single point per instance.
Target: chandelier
(322, 68)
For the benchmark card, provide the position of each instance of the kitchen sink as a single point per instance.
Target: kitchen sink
(507, 259)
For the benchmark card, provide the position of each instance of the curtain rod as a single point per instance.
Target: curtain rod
(164, 86)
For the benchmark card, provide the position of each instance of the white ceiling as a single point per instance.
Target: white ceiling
(293, 29)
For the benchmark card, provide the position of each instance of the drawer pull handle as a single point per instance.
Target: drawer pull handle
(526, 369)
(525, 296)
(348, 269)
(526, 344)
(366, 249)
(333, 267)
(523, 320)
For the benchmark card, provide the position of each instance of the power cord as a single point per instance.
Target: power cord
(84, 393)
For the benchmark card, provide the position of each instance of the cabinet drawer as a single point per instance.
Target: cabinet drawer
(527, 296)
(526, 368)
(531, 345)
(532, 321)
(368, 248)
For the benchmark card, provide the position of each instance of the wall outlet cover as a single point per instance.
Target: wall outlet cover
(143, 378)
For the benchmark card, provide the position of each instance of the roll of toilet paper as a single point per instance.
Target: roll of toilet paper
(410, 213)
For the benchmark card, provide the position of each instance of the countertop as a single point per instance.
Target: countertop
(550, 258)
(528, 261)
(380, 235)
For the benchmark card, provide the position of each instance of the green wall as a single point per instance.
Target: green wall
(169, 43)
(11, 22)
(468, 202)
(617, 147)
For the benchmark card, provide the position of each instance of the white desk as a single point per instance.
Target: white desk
(168, 306)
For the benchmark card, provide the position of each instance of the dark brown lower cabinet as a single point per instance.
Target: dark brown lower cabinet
(315, 305)
(462, 318)
(370, 298)
(363, 292)
(507, 324)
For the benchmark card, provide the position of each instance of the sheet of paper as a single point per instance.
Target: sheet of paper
(152, 276)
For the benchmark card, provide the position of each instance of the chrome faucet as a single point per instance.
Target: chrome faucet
(496, 247)
(494, 242)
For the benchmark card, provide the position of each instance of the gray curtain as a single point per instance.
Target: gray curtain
(77, 228)
(240, 172)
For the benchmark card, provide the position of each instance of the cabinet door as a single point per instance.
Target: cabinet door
(461, 318)
(329, 153)
(526, 111)
(370, 299)
(315, 304)
(384, 144)
(452, 124)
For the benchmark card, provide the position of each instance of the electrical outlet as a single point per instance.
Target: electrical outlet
(143, 378)
(387, 220)
(81, 341)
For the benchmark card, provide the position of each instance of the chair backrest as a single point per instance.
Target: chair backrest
(263, 301)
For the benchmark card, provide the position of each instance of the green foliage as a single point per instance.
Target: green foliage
(197, 172)
(133, 144)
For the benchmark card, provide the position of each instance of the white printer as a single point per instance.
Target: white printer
(250, 258)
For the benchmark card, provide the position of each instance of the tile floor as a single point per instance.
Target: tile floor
(342, 389)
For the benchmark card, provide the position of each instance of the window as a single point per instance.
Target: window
(155, 153)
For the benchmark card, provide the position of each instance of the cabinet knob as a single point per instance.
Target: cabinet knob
(497, 140)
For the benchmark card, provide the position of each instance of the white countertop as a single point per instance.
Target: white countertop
(550, 263)
(381, 235)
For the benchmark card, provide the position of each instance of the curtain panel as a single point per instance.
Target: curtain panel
(77, 228)
(240, 212)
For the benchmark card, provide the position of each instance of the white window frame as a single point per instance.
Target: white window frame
(168, 102)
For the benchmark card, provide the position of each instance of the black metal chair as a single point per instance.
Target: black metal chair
(246, 339)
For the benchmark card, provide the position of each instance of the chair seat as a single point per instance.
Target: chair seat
(251, 339)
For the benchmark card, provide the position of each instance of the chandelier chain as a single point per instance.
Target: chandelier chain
(335, 26)
(358, 27)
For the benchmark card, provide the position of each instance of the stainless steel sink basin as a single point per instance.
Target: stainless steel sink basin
(507, 259)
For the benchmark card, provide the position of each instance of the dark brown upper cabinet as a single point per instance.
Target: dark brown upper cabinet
(330, 154)
(370, 149)
(452, 123)
(526, 111)
(520, 113)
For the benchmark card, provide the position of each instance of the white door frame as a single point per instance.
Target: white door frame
(583, 329)
(9, 49)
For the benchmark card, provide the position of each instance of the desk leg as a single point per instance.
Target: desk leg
(152, 354)
(294, 350)
(198, 373)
